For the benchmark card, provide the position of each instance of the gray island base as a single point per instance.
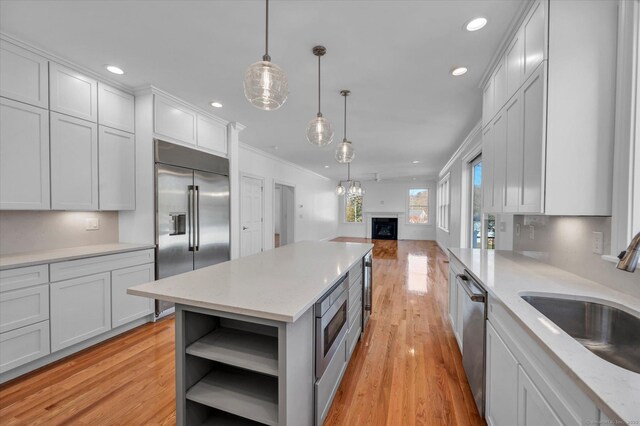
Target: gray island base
(254, 363)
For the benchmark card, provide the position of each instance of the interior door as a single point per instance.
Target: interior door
(251, 216)
(212, 229)
(174, 223)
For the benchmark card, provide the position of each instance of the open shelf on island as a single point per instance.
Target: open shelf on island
(250, 395)
(244, 349)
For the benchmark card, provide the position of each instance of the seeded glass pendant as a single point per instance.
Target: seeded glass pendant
(345, 152)
(353, 187)
(265, 84)
(340, 189)
(319, 131)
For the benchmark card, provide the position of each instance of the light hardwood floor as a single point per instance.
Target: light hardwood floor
(407, 369)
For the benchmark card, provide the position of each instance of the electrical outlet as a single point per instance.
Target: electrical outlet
(92, 224)
(597, 242)
(532, 232)
(517, 229)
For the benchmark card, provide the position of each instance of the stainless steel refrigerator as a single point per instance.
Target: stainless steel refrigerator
(192, 211)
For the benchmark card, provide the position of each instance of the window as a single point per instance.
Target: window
(443, 203)
(418, 206)
(476, 202)
(353, 208)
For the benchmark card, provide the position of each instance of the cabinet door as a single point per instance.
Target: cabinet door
(74, 163)
(514, 159)
(487, 169)
(514, 63)
(24, 76)
(173, 121)
(80, 309)
(502, 382)
(117, 169)
(487, 103)
(453, 298)
(23, 345)
(125, 307)
(500, 85)
(212, 135)
(533, 144)
(499, 139)
(72, 93)
(24, 157)
(533, 409)
(115, 108)
(535, 40)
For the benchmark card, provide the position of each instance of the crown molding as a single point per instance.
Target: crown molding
(463, 146)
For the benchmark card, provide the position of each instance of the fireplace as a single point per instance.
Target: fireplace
(384, 228)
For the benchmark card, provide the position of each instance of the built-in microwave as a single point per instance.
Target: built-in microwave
(331, 324)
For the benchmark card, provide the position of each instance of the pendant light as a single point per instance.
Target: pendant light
(345, 152)
(265, 84)
(351, 187)
(319, 131)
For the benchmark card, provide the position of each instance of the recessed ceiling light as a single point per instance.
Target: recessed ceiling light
(459, 71)
(326, 167)
(476, 24)
(114, 69)
(415, 161)
(216, 104)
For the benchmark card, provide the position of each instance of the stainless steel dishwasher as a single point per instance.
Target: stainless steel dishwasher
(474, 308)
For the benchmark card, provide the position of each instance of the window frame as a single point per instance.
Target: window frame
(444, 203)
(344, 209)
(408, 206)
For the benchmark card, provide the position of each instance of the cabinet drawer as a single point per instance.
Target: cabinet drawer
(355, 311)
(355, 293)
(19, 308)
(93, 265)
(24, 345)
(14, 279)
(327, 386)
(353, 336)
(355, 273)
(80, 309)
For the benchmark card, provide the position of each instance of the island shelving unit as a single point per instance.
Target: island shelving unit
(245, 334)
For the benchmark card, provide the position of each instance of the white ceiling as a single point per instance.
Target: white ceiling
(394, 56)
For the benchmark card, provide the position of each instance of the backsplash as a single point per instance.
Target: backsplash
(565, 242)
(26, 231)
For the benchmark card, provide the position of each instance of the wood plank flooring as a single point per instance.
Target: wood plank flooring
(407, 370)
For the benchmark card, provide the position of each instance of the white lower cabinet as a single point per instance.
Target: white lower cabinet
(23, 345)
(502, 382)
(125, 307)
(533, 408)
(80, 309)
(22, 307)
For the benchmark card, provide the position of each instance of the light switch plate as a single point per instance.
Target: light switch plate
(532, 232)
(92, 224)
(597, 242)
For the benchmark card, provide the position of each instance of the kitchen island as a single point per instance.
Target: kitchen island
(246, 333)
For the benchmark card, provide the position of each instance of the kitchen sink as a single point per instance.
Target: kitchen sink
(608, 332)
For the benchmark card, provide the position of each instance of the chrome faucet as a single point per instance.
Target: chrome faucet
(629, 258)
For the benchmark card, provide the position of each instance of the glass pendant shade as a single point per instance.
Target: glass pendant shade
(345, 152)
(340, 189)
(319, 131)
(266, 85)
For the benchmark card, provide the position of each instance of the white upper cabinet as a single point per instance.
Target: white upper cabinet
(23, 75)
(487, 103)
(212, 135)
(24, 157)
(514, 63)
(499, 86)
(116, 155)
(499, 140)
(74, 163)
(535, 40)
(531, 193)
(487, 168)
(72, 93)
(115, 108)
(173, 121)
(513, 156)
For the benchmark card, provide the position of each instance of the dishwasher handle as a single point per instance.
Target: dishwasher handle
(466, 285)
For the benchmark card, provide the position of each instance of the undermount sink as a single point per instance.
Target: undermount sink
(608, 332)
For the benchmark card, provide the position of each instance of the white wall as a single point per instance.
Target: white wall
(315, 202)
(391, 197)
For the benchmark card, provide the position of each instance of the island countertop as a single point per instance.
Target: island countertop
(280, 284)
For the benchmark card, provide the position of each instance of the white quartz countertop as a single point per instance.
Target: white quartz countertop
(18, 260)
(507, 276)
(280, 284)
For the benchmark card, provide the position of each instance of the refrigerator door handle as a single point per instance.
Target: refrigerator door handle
(196, 212)
(191, 216)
